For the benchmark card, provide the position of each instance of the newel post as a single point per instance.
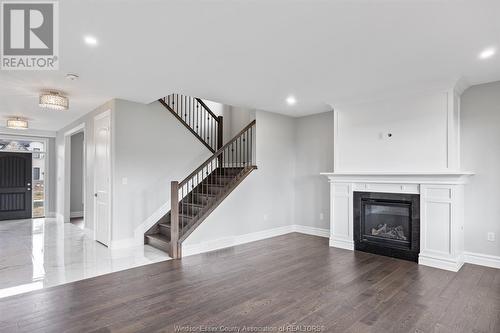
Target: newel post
(220, 130)
(174, 221)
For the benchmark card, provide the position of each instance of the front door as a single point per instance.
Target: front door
(15, 186)
(102, 140)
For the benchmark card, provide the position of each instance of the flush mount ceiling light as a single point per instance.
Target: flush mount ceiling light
(53, 100)
(90, 40)
(17, 123)
(487, 53)
(291, 100)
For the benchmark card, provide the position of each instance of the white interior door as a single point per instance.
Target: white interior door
(102, 177)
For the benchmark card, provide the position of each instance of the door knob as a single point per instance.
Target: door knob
(95, 195)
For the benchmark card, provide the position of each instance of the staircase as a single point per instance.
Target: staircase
(195, 197)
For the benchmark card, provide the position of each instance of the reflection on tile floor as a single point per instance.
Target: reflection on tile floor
(40, 253)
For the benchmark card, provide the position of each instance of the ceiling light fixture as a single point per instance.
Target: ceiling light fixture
(487, 53)
(90, 40)
(291, 100)
(53, 100)
(17, 123)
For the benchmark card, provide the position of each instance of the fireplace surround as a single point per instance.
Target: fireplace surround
(441, 200)
(387, 224)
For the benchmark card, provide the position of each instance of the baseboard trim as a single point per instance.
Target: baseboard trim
(482, 259)
(75, 214)
(345, 244)
(221, 243)
(453, 265)
(311, 230)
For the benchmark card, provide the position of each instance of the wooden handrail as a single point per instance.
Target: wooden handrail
(207, 108)
(216, 154)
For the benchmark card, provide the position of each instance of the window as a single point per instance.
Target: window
(36, 173)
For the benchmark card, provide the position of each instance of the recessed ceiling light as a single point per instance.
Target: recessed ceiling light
(291, 100)
(487, 53)
(72, 76)
(90, 40)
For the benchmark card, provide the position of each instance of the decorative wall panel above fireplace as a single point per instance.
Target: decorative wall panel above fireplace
(441, 211)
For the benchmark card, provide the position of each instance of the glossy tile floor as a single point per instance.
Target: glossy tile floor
(39, 253)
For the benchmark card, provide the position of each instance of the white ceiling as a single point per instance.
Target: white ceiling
(255, 53)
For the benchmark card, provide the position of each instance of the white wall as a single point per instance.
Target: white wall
(419, 128)
(480, 109)
(152, 148)
(314, 154)
(76, 202)
(265, 199)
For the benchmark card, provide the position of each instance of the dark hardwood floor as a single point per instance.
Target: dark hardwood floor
(292, 279)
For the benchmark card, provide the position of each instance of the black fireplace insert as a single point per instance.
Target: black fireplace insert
(387, 224)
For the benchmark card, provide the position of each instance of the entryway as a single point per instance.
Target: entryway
(23, 177)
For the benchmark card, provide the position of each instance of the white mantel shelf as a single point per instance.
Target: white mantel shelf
(441, 209)
(416, 177)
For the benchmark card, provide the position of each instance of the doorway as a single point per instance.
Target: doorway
(15, 186)
(77, 166)
(23, 177)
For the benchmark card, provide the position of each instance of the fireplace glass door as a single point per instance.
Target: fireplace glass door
(386, 221)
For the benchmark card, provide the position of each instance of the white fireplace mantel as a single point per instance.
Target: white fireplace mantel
(441, 209)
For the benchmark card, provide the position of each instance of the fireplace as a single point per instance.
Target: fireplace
(387, 224)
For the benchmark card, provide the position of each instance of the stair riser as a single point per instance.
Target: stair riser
(164, 246)
(165, 230)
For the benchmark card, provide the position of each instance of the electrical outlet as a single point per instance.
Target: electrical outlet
(491, 236)
(266, 217)
(321, 216)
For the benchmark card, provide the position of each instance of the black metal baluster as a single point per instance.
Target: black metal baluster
(197, 127)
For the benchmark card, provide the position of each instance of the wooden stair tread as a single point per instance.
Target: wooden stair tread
(159, 237)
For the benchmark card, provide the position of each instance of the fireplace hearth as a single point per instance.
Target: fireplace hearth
(387, 224)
